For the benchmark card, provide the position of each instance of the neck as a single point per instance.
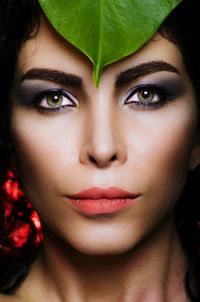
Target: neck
(152, 271)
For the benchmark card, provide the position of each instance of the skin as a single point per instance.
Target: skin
(135, 254)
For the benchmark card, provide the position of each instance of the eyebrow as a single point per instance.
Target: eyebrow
(141, 70)
(58, 77)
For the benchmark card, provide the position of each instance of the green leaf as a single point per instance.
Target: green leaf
(107, 30)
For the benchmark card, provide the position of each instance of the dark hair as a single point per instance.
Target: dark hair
(18, 22)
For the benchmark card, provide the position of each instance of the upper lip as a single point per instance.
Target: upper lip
(107, 193)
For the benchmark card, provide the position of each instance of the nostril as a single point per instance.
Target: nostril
(102, 161)
(113, 158)
(103, 155)
(92, 159)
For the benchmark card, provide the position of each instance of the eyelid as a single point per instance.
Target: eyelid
(164, 90)
(160, 79)
(158, 90)
(66, 101)
(49, 92)
(172, 85)
(27, 91)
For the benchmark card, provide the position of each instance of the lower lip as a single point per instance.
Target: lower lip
(101, 206)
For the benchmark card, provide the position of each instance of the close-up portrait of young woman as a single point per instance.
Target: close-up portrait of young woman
(99, 131)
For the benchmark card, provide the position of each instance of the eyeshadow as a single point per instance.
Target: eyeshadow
(26, 92)
(172, 84)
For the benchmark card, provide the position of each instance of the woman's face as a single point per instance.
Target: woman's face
(135, 132)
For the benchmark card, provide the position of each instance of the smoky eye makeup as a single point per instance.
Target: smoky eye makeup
(152, 93)
(44, 97)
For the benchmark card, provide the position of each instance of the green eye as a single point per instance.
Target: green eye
(146, 95)
(55, 100)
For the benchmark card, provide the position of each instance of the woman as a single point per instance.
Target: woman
(108, 169)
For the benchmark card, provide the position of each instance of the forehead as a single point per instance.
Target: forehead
(49, 50)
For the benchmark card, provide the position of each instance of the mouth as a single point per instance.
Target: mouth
(97, 201)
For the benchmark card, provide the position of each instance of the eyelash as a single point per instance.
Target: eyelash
(44, 95)
(161, 94)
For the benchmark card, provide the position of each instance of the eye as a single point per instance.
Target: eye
(145, 96)
(56, 99)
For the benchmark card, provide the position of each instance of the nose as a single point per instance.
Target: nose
(103, 144)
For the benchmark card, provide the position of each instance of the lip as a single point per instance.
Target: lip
(96, 201)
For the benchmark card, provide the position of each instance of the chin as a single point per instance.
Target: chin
(101, 251)
(102, 246)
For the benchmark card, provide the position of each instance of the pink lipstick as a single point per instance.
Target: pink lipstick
(96, 201)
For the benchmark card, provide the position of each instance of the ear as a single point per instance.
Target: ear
(195, 154)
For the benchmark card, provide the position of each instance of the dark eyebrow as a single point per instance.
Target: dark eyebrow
(58, 77)
(141, 70)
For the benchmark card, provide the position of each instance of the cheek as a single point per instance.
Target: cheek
(45, 146)
(160, 150)
(172, 148)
